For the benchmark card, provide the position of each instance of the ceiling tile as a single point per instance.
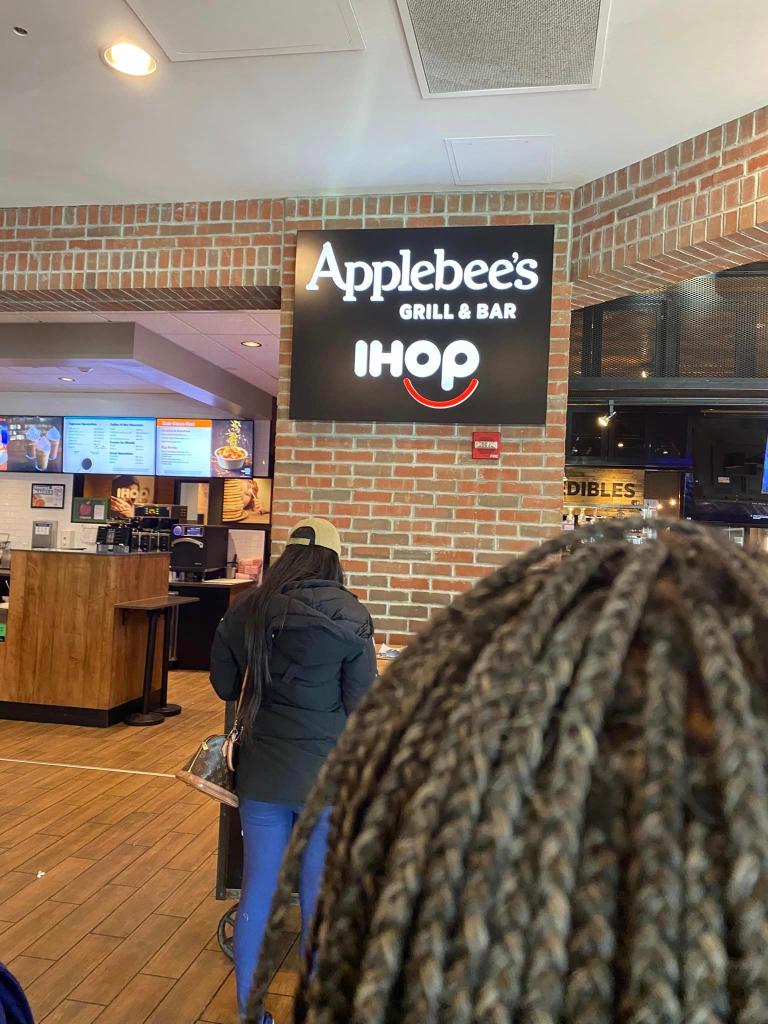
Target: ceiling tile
(218, 323)
(269, 319)
(199, 30)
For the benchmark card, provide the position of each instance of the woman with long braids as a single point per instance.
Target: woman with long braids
(553, 808)
(302, 646)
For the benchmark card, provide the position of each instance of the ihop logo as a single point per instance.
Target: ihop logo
(422, 359)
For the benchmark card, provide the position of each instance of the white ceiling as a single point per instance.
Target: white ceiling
(99, 379)
(73, 131)
(216, 337)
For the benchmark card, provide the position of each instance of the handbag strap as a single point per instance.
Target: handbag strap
(241, 700)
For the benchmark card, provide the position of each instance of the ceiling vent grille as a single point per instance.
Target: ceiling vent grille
(474, 47)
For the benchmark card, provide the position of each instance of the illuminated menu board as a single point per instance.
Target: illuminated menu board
(205, 448)
(109, 445)
(30, 444)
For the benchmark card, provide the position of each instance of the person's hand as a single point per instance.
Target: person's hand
(121, 507)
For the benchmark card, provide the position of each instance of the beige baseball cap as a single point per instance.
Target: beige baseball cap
(316, 533)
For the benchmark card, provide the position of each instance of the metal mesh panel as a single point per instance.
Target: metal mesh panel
(721, 323)
(467, 45)
(577, 343)
(628, 341)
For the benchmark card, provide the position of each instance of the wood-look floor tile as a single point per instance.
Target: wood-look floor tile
(55, 985)
(117, 835)
(201, 883)
(28, 969)
(42, 889)
(110, 978)
(102, 872)
(23, 933)
(130, 865)
(70, 1012)
(194, 990)
(158, 856)
(143, 902)
(81, 920)
(137, 1000)
(178, 953)
(287, 977)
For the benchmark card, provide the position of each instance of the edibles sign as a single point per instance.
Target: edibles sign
(424, 325)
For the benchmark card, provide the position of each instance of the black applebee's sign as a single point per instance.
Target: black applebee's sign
(444, 325)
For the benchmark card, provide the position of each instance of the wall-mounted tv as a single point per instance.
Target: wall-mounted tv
(111, 445)
(204, 449)
(30, 444)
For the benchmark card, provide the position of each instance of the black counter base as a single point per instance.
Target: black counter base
(97, 718)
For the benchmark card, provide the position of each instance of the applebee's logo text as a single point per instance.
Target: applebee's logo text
(439, 275)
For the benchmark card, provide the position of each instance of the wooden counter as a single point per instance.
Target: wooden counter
(69, 655)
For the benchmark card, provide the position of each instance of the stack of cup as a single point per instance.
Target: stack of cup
(42, 454)
(54, 437)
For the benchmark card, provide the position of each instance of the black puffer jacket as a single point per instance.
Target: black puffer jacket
(322, 662)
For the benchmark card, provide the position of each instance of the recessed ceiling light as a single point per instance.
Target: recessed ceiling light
(130, 59)
(19, 30)
(251, 344)
(85, 369)
(69, 380)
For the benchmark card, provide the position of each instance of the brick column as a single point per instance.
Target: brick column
(419, 519)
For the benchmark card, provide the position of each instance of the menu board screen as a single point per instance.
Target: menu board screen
(109, 445)
(184, 447)
(205, 448)
(30, 444)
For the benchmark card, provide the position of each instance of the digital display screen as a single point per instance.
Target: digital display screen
(205, 449)
(31, 444)
(765, 470)
(109, 445)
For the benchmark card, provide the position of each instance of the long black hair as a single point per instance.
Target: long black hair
(298, 564)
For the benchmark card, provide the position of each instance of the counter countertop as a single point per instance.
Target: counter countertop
(95, 554)
(212, 583)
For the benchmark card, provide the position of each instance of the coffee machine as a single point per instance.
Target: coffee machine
(198, 552)
(152, 526)
(114, 538)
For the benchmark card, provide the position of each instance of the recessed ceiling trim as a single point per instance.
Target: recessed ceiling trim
(429, 93)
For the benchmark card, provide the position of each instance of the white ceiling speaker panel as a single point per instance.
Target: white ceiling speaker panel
(503, 160)
(202, 30)
(476, 47)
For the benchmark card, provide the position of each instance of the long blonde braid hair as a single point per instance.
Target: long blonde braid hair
(553, 808)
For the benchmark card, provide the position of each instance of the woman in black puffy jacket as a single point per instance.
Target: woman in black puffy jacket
(304, 645)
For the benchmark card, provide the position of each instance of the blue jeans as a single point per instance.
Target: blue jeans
(266, 832)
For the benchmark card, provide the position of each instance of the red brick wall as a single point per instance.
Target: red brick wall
(143, 246)
(419, 519)
(696, 208)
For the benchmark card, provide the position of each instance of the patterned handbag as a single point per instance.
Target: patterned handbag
(211, 769)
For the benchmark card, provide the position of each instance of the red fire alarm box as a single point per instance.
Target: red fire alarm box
(486, 444)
